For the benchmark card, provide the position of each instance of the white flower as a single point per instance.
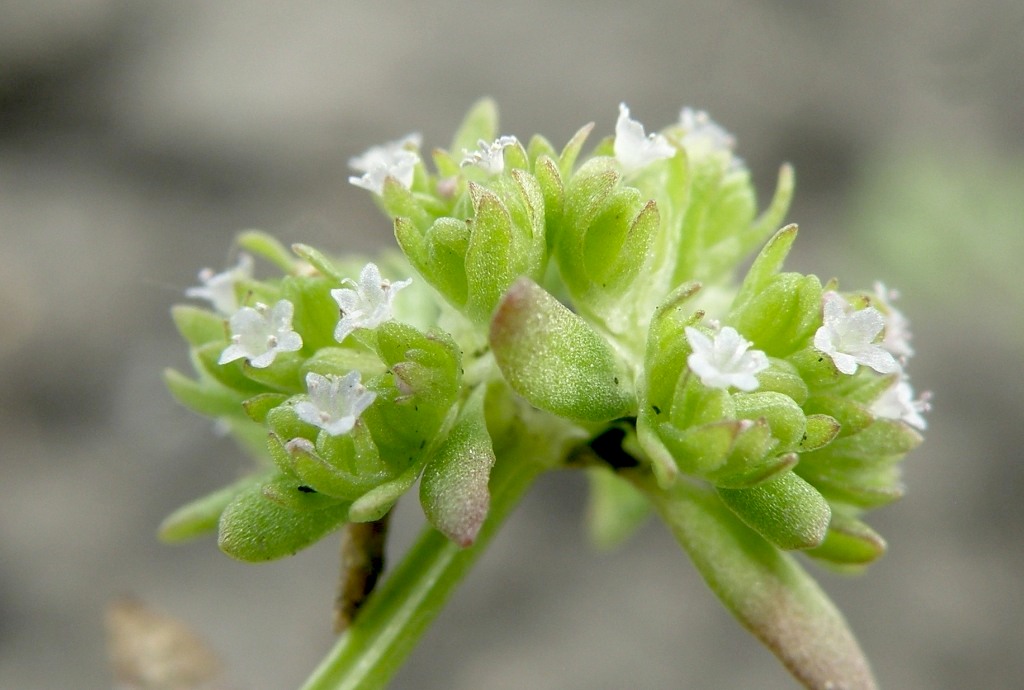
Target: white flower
(897, 327)
(219, 288)
(394, 159)
(633, 149)
(703, 136)
(490, 157)
(258, 334)
(699, 130)
(897, 402)
(368, 305)
(335, 402)
(849, 336)
(724, 360)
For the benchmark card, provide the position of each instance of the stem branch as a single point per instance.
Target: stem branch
(388, 626)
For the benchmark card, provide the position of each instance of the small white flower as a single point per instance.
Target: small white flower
(219, 288)
(258, 334)
(394, 159)
(724, 360)
(849, 336)
(700, 130)
(633, 149)
(897, 402)
(897, 327)
(703, 136)
(490, 157)
(368, 305)
(335, 402)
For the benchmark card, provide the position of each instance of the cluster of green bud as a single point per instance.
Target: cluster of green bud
(601, 291)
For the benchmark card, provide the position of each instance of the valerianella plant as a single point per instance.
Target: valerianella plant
(547, 311)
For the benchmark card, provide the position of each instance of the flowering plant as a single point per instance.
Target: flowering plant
(551, 311)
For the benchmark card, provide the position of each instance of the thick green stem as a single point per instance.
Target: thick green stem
(400, 609)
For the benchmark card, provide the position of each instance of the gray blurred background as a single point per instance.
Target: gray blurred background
(136, 138)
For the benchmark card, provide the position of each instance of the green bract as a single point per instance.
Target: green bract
(566, 310)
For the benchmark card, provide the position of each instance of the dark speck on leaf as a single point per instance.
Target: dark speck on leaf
(657, 410)
(307, 489)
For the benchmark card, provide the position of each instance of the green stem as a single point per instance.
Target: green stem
(403, 606)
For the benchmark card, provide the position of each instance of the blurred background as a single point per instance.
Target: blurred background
(136, 138)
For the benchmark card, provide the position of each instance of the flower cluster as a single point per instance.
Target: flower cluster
(592, 296)
(562, 309)
(784, 381)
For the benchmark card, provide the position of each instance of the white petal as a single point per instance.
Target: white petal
(632, 148)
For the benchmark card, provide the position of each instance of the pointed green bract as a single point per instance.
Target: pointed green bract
(850, 544)
(767, 591)
(254, 528)
(268, 247)
(555, 360)
(453, 490)
(481, 122)
(207, 397)
(786, 511)
(201, 516)
(199, 326)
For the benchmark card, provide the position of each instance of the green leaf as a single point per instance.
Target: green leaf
(776, 211)
(783, 377)
(266, 245)
(319, 261)
(255, 529)
(786, 419)
(205, 397)
(821, 431)
(771, 467)
(767, 264)
(555, 359)
(447, 242)
(850, 544)
(704, 449)
(377, 501)
(585, 197)
(289, 492)
(201, 516)
(768, 591)
(453, 490)
(572, 149)
(667, 346)
(491, 263)
(539, 146)
(399, 202)
(852, 417)
(481, 122)
(787, 511)
(881, 438)
(782, 316)
(230, 374)
(285, 375)
(615, 508)
(553, 191)
(199, 326)
(339, 361)
(316, 311)
(259, 406)
(282, 421)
